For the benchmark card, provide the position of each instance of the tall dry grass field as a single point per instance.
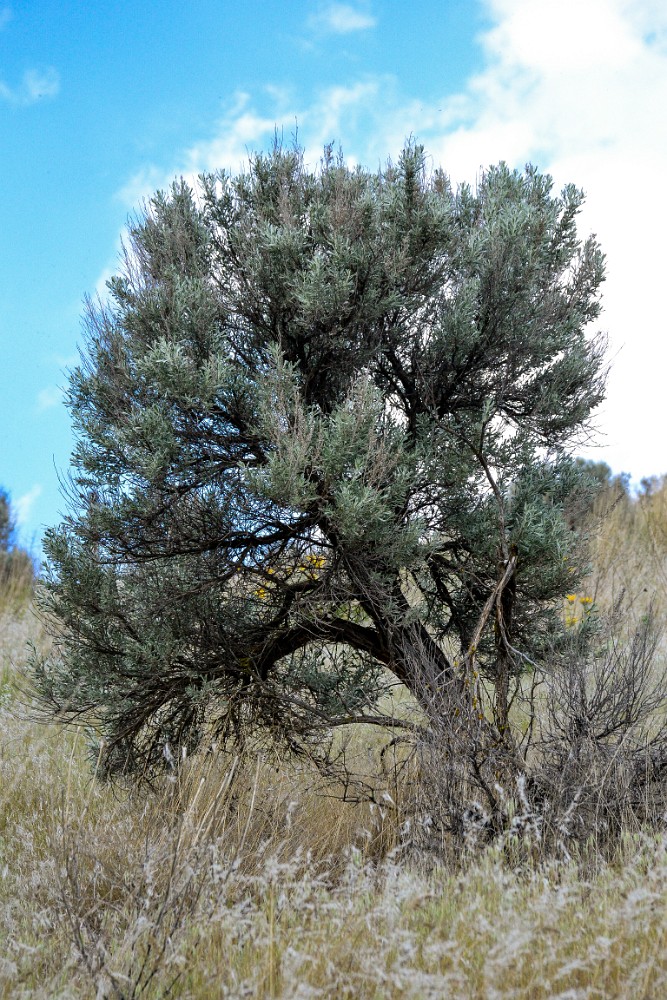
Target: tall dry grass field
(248, 877)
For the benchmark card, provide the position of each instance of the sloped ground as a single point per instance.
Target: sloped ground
(250, 886)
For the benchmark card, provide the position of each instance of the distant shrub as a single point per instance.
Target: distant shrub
(17, 570)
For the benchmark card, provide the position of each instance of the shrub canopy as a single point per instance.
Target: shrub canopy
(323, 423)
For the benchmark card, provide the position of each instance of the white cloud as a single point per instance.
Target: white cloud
(23, 506)
(243, 130)
(567, 77)
(581, 89)
(368, 117)
(35, 86)
(101, 291)
(64, 361)
(240, 132)
(562, 36)
(48, 398)
(341, 19)
(38, 84)
(338, 113)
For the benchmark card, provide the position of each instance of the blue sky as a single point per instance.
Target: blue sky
(102, 103)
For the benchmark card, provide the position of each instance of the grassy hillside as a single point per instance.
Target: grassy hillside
(250, 878)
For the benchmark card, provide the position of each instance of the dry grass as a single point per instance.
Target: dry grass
(239, 878)
(241, 883)
(629, 550)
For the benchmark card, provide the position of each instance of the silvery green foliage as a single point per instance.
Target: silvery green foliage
(316, 418)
